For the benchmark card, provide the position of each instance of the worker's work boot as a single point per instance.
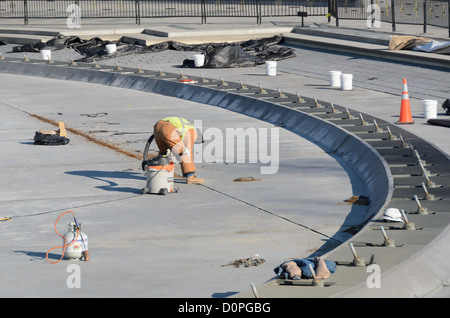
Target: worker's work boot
(194, 180)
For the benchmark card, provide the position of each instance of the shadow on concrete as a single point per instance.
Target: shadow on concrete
(39, 255)
(108, 176)
(355, 219)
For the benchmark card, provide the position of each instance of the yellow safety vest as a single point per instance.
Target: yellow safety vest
(182, 124)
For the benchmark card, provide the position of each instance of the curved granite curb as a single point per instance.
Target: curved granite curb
(382, 160)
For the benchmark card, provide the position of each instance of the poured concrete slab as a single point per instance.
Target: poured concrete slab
(147, 245)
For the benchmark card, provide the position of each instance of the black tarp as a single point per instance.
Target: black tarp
(49, 139)
(57, 43)
(439, 122)
(217, 55)
(446, 106)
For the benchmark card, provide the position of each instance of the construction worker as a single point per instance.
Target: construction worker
(178, 135)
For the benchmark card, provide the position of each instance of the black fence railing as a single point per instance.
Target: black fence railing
(137, 9)
(419, 12)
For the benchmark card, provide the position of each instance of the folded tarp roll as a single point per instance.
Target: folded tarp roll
(439, 122)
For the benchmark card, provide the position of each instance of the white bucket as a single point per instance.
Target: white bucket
(335, 78)
(111, 48)
(46, 55)
(271, 68)
(346, 81)
(429, 108)
(199, 60)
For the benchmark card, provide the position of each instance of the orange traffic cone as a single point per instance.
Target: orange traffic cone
(405, 110)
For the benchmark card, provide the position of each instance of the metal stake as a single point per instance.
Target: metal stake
(357, 261)
(255, 292)
(182, 76)
(138, 69)
(391, 136)
(404, 145)
(261, 90)
(280, 94)
(428, 196)
(349, 116)
(363, 122)
(377, 129)
(95, 65)
(222, 82)
(333, 109)
(413, 151)
(242, 85)
(408, 225)
(420, 209)
(430, 183)
(160, 72)
(300, 99)
(387, 242)
(418, 157)
(317, 103)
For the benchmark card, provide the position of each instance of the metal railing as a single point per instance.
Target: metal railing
(137, 9)
(416, 12)
(419, 12)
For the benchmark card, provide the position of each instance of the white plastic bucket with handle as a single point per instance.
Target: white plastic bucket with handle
(199, 60)
(111, 48)
(429, 108)
(46, 54)
(335, 78)
(271, 68)
(346, 82)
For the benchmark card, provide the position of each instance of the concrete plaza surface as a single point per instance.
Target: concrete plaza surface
(177, 245)
(149, 245)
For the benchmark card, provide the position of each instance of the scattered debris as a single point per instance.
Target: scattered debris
(360, 200)
(246, 262)
(88, 137)
(245, 179)
(95, 115)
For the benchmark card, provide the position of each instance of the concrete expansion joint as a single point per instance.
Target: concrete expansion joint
(378, 160)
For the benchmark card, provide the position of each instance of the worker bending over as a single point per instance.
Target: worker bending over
(178, 135)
